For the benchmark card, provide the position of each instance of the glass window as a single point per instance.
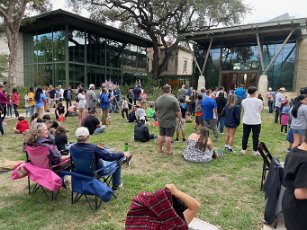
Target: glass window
(29, 48)
(76, 44)
(44, 46)
(240, 58)
(59, 70)
(76, 75)
(59, 45)
(44, 75)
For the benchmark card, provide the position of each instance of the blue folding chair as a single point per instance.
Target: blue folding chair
(84, 171)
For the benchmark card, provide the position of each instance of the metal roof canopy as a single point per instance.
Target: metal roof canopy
(58, 18)
(242, 35)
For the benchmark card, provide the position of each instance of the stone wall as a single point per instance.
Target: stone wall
(301, 68)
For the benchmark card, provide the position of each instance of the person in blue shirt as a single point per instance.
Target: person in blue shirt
(104, 105)
(241, 94)
(210, 115)
(39, 101)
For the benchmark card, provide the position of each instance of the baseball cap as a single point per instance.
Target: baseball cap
(142, 118)
(82, 132)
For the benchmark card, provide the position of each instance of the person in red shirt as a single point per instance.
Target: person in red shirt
(22, 125)
(15, 101)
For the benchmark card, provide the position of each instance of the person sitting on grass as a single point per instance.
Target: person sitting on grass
(22, 125)
(60, 112)
(151, 112)
(92, 123)
(199, 147)
(61, 139)
(167, 208)
(72, 110)
(141, 131)
(38, 134)
(131, 116)
(103, 156)
(140, 112)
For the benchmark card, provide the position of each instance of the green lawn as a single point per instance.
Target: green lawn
(227, 188)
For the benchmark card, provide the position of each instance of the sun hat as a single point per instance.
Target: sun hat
(282, 89)
(82, 132)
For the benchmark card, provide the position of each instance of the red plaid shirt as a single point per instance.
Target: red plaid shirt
(154, 211)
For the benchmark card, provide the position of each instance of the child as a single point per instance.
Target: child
(180, 126)
(140, 112)
(188, 117)
(151, 112)
(284, 117)
(9, 106)
(131, 116)
(26, 98)
(61, 139)
(125, 107)
(22, 125)
(198, 112)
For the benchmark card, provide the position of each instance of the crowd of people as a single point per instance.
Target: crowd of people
(214, 110)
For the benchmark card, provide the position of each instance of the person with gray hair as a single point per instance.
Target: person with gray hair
(91, 98)
(103, 156)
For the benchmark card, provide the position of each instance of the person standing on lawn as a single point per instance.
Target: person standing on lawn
(251, 119)
(167, 110)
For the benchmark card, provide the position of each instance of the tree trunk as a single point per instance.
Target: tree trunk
(13, 47)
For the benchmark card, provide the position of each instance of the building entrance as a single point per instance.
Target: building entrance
(231, 80)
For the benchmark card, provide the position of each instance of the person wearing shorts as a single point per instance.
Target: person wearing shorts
(167, 110)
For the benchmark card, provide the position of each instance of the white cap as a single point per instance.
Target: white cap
(82, 132)
(142, 118)
(92, 86)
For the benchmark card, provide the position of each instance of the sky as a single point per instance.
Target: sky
(262, 10)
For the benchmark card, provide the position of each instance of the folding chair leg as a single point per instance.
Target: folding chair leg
(29, 185)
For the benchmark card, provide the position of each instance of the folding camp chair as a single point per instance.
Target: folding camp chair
(39, 155)
(84, 164)
(267, 158)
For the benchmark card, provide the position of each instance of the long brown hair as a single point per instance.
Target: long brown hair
(202, 141)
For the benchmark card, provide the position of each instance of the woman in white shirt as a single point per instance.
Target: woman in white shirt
(251, 119)
(81, 104)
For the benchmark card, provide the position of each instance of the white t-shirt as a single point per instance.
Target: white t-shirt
(252, 108)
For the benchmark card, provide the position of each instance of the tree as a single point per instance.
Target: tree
(3, 65)
(12, 13)
(164, 21)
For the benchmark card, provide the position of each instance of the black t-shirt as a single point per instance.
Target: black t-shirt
(91, 122)
(295, 176)
(60, 141)
(52, 93)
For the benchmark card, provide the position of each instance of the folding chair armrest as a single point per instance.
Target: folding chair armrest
(104, 168)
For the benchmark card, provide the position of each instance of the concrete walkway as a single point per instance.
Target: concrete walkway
(198, 224)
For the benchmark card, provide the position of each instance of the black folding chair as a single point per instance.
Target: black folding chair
(267, 158)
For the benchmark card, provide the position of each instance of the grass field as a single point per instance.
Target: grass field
(227, 188)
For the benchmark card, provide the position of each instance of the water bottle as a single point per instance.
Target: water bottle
(126, 148)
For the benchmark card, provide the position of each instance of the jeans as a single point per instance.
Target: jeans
(220, 122)
(125, 111)
(68, 103)
(99, 130)
(277, 113)
(9, 111)
(212, 124)
(246, 131)
(31, 110)
(116, 177)
(27, 110)
(270, 104)
(16, 110)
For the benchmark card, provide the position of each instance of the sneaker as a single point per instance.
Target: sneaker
(117, 187)
(256, 153)
(183, 140)
(243, 152)
(177, 141)
(222, 133)
(231, 150)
